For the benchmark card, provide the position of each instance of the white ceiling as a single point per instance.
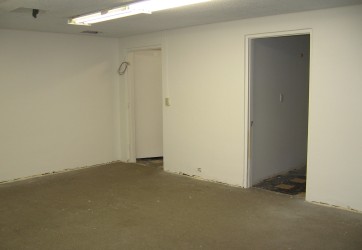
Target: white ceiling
(16, 14)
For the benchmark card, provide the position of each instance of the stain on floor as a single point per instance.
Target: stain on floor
(292, 183)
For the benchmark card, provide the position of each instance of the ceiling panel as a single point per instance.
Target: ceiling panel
(16, 14)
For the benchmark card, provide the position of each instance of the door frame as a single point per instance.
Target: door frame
(247, 95)
(131, 128)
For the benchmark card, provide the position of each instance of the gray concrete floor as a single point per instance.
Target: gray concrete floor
(128, 206)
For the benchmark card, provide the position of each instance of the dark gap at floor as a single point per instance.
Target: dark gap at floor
(151, 162)
(291, 183)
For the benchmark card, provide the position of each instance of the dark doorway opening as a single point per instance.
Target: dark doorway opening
(151, 162)
(279, 97)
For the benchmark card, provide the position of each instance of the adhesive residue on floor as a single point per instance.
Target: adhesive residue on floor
(292, 183)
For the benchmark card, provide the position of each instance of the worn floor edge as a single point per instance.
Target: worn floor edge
(319, 203)
(58, 172)
(239, 186)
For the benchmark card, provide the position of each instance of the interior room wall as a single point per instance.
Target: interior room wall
(57, 102)
(279, 66)
(205, 76)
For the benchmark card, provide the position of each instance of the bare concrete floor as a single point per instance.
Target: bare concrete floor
(128, 206)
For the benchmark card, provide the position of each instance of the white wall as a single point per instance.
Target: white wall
(57, 102)
(204, 77)
(280, 127)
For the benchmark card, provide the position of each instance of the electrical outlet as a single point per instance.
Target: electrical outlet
(199, 170)
(167, 102)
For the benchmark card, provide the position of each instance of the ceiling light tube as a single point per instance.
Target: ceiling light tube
(107, 15)
(141, 7)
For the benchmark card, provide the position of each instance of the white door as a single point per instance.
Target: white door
(148, 103)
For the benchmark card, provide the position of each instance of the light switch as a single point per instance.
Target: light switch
(167, 102)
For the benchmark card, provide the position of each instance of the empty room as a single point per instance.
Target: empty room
(196, 124)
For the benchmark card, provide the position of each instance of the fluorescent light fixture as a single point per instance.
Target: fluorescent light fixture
(141, 7)
(106, 15)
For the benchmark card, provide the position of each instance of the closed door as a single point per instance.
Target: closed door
(148, 103)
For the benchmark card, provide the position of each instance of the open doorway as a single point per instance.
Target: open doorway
(278, 112)
(145, 83)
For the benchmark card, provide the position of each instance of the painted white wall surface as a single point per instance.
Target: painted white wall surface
(204, 76)
(279, 80)
(57, 102)
(147, 81)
